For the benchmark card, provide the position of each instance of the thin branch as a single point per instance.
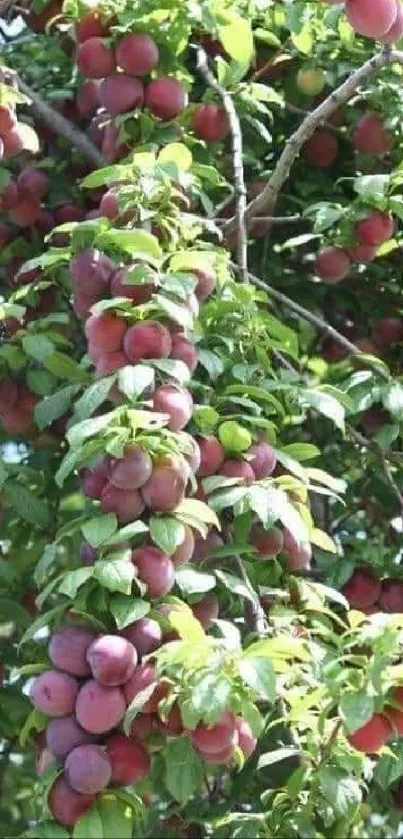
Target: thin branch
(61, 125)
(237, 156)
(268, 198)
(274, 219)
(315, 320)
(294, 109)
(257, 618)
(373, 446)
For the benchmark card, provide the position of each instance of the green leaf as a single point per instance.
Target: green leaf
(176, 153)
(324, 404)
(340, 790)
(115, 574)
(136, 705)
(134, 380)
(93, 397)
(54, 406)
(356, 709)
(89, 826)
(234, 437)
(173, 368)
(116, 817)
(47, 830)
(191, 581)
(270, 758)
(372, 187)
(135, 528)
(64, 367)
(212, 363)
(43, 620)
(74, 580)
(37, 346)
(27, 505)
(193, 508)
(167, 533)
(138, 243)
(258, 673)
(88, 428)
(237, 40)
(301, 451)
(393, 400)
(106, 175)
(12, 611)
(184, 769)
(236, 586)
(99, 529)
(35, 721)
(126, 609)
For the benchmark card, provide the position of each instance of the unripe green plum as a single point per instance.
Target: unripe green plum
(311, 80)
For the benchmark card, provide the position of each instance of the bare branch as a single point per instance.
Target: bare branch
(237, 155)
(61, 125)
(315, 320)
(267, 199)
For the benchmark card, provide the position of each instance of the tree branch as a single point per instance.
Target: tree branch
(315, 320)
(267, 199)
(237, 156)
(373, 446)
(61, 125)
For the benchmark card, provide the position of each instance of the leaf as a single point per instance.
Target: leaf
(93, 397)
(176, 153)
(236, 586)
(173, 368)
(74, 580)
(258, 673)
(45, 563)
(88, 428)
(212, 363)
(341, 791)
(167, 533)
(127, 609)
(134, 380)
(281, 648)
(64, 367)
(138, 243)
(393, 400)
(237, 40)
(99, 529)
(37, 346)
(115, 574)
(106, 175)
(372, 187)
(193, 508)
(356, 709)
(43, 620)
(47, 830)
(187, 626)
(270, 758)
(324, 404)
(301, 451)
(27, 505)
(191, 581)
(322, 540)
(89, 826)
(336, 484)
(35, 721)
(54, 406)
(116, 817)
(135, 528)
(136, 705)
(184, 769)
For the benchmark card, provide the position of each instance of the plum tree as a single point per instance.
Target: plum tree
(54, 693)
(65, 804)
(99, 708)
(322, 149)
(127, 505)
(148, 339)
(145, 634)
(112, 659)
(372, 19)
(155, 569)
(94, 58)
(132, 470)
(362, 589)
(332, 264)
(175, 401)
(369, 136)
(137, 54)
(129, 760)
(268, 543)
(68, 649)
(88, 769)
(371, 736)
(165, 98)
(210, 123)
(217, 737)
(164, 489)
(119, 93)
(63, 734)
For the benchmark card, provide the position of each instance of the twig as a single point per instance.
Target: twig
(373, 446)
(315, 320)
(273, 219)
(61, 125)
(237, 155)
(257, 620)
(268, 197)
(294, 109)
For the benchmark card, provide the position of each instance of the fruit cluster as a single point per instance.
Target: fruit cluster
(86, 697)
(333, 263)
(381, 727)
(369, 594)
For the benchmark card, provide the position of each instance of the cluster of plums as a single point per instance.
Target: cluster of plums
(86, 695)
(382, 727)
(15, 136)
(366, 592)
(122, 67)
(333, 263)
(380, 19)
